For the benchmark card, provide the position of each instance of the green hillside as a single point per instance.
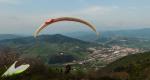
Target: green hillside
(46, 46)
(136, 66)
(140, 58)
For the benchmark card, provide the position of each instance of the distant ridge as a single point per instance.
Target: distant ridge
(8, 36)
(134, 33)
(56, 38)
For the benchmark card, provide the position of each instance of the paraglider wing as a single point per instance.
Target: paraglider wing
(50, 21)
(10, 70)
(13, 71)
(21, 68)
(39, 29)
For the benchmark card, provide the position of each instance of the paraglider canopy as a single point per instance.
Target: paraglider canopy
(50, 21)
(13, 71)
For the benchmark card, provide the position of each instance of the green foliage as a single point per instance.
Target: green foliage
(56, 59)
(47, 45)
(137, 66)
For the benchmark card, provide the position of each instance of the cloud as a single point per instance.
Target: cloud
(101, 16)
(84, 12)
(95, 10)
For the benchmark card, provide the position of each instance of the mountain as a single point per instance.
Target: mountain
(85, 36)
(141, 58)
(89, 36)
(8, 36)
(46, 46)
(128, 38)
(137, 66)
(138, 38)
(137, 33)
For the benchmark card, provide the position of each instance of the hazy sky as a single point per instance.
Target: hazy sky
(24, 16)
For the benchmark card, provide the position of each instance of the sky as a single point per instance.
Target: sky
(25, 16)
